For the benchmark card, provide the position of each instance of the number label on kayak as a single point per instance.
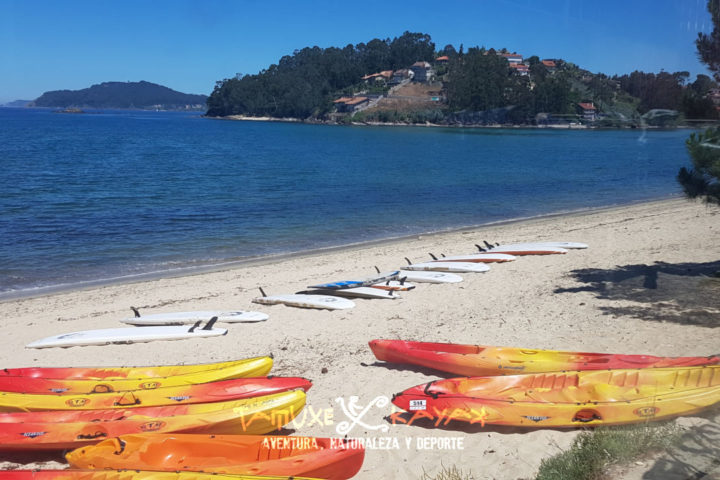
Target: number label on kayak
(418, 405)
(149, 385)
(152, 426)
(76, 402)
(646, 412)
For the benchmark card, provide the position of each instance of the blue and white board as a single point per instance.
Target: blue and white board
(381, 277)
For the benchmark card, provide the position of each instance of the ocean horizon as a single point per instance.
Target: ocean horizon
(122, 195)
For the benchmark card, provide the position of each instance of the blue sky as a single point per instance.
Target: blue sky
(189, 45)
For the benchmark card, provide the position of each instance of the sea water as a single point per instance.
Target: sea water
(110, 195)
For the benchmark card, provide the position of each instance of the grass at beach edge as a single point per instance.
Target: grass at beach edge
(592, 452)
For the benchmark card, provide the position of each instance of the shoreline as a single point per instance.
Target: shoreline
(230, 264)
(592, 300)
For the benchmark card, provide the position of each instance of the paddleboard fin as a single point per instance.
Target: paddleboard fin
(480, 248)
(407, 260)
(262, 292)
(135, 311)
(489, 245)
(197, 324)
(433, 256)
(210, 324)
(377, 269)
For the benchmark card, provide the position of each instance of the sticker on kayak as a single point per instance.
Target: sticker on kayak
(152, 426)
(418, 405)
(646, 412)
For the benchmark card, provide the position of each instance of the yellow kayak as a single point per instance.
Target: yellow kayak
(64, 429)
(567, 399)
(104, 380)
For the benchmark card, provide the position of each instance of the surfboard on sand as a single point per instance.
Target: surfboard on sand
(431, 277)
(129, 335)
(188, 318)
(566, 245)
(476, 258)
(357, 292)
(326, 302)
(440, 266)
(380, 277)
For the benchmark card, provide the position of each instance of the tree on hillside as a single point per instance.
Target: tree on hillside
(703, 180)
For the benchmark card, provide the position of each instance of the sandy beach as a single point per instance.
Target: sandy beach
(642, 287)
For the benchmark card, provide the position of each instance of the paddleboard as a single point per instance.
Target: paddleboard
(399, 286)
(380, 277)
(128, 335)
(523, 250)
(476, 258)
(183, 318)
(431, 277)
(440, 266)
(356, 292)
(327, 302)
(565, 245)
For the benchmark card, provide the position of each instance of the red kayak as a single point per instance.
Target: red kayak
(481, 360)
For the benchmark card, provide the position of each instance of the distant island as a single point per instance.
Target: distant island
(16, 104)
(407, 80)
(122, 95)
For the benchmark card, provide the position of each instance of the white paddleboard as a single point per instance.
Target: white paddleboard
(478, 258)
(357, 292)
(395, 285)
(431, 277)
(380, 277)
(328, 302)
(526, 250)
(183, 318)
(565, 245)
(440, 266)
(126, 335)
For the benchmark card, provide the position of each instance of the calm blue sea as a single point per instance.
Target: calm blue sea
(107, 195)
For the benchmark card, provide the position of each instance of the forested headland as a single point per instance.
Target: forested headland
(473, 86)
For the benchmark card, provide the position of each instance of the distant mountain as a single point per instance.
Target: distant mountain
(140, 95)
(17, 103)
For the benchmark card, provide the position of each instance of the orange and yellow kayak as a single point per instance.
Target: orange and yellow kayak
(568, 399)
(254, 367)
(327, 458)
(481, 360)
(124, 475)
(66, 429)
(183, 394)
(251, 367)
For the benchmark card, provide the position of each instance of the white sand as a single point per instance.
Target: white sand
(514, 304)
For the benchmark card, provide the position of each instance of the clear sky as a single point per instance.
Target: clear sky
(188, 45)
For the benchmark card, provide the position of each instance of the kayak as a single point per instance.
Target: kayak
(251, 367)
(126, 475)
(183, 394)
(65, 429)
(328, 458)
(230, 370)
(567, 399)
(481, 360)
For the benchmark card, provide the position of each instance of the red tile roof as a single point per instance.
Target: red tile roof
(444, 58)
(549, 63)
(587, 106)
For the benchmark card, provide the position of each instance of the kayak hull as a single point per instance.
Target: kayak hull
(327, 458)
(569, 399)
(481, 360)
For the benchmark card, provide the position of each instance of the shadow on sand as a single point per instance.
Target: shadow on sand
(685, 293)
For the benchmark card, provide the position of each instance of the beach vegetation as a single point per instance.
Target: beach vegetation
(702, 180)
(448, 473)
(594, 451)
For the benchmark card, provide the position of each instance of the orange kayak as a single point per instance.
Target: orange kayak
(251, 367)
(183, 394)
(66, 429)
(124, 475)
(327, 458)
(568, 399)
(481, 360)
